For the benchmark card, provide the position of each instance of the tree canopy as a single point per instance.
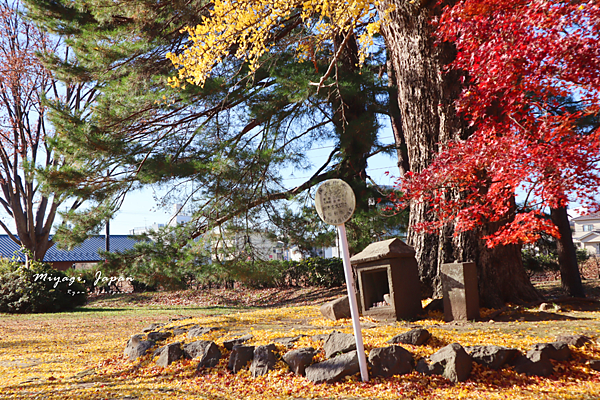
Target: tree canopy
(532, 94)
(220, 147)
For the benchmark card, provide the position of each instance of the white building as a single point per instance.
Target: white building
(586, 233)
(179, 216)
(253, 245)
(146, 229)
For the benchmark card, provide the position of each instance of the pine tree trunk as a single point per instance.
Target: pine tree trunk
(426, 97)
(567, 255)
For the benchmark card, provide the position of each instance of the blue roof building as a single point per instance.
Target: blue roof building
(62, 259)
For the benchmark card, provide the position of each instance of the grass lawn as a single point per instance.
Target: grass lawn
(78, 355)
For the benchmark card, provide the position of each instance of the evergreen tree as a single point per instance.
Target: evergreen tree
(222, 145)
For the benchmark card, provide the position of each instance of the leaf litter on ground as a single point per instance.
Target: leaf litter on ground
(79, 355)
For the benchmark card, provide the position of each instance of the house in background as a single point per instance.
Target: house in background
(81, 255)
(586, 233)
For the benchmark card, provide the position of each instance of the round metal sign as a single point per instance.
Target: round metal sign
(335, 202)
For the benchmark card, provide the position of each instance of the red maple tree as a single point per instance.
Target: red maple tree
(531, 94)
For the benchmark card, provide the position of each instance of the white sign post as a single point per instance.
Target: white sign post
(335, 204)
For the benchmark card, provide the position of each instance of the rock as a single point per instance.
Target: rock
(179, 318)
(558, 351)
(493, 357)
(320, 337)
(264, 360)
(299, 359)
(199, 331)
(158, 336)
(136, 347)
(338, 342)
(424, 367)
(231, 343)
(171, 352)
(334, 369)
(455, 360)
(389, 361)
(240, 357)
(158, 351)
(336, 309)
(539, 367)
(178, 330)
(574, 340)
(152, 327)
(594, 364)
(288, 341)
(415, 337)
(208, 352)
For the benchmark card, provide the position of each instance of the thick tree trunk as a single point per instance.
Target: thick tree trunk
(426, 97)
(567, 255)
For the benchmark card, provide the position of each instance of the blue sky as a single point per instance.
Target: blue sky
(140, 208)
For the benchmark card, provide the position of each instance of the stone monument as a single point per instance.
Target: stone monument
(461, 292)
(388, 280)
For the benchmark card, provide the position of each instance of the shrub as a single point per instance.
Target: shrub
(314, 271)
(38, 288)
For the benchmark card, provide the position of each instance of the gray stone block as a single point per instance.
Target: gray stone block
(136, 347)
(231, 343)
(416, 337)
(240, 357)
(455, 360)
(460, 291)
(264, 360)
(338, 342)
(336, 309)
(170, 353)
(388, 361)
(493, 357)
(334, 369)
(299, 359)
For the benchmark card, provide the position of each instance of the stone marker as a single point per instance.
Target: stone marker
(264, 360)
(136, 347)
(334, 369)
(416, 337)
(389, 361)
(336, 309)
(460, 291)
(299, 359)
(338, 342)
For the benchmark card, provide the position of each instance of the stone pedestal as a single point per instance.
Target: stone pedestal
(461, 293)
(388, 280)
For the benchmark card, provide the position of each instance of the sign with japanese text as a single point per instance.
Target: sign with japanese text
(335, 202)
